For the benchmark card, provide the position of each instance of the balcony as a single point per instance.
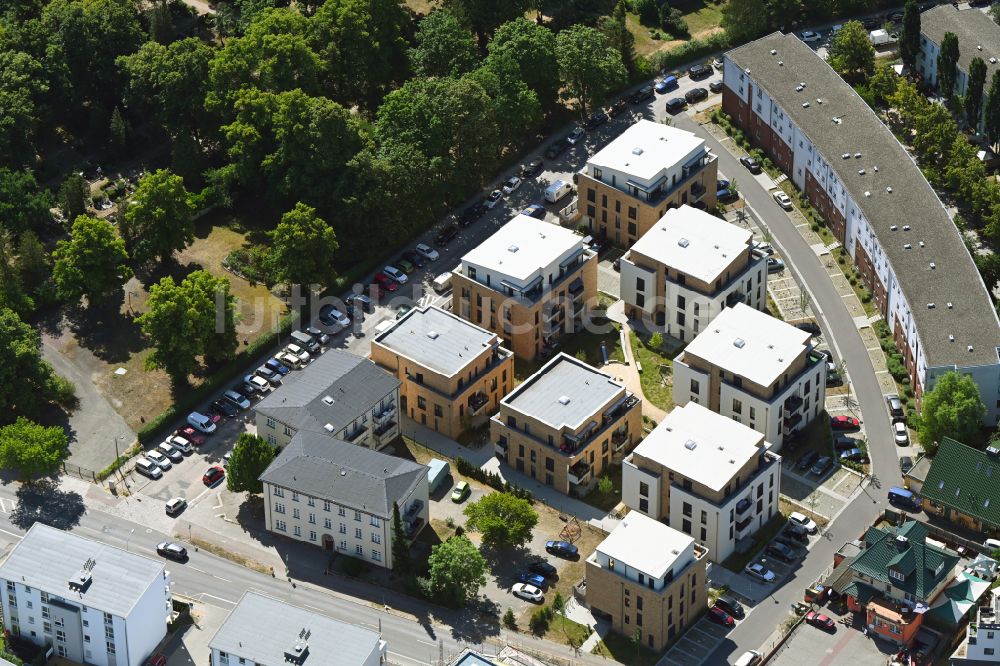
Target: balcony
(477, 402)
(387, 413)
(580, 473)
(618, 439)
(501, 447)
(385, 427)
(744, 525)
(734, 298)
(357, 435)
(576, 286)
(698, 191)
(792, 404)
(661, 189)
(743, 506)
(789, 423)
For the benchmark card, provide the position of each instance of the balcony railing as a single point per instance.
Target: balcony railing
(576, 286)
(743, 505)
(357, 435)
(790, 422)
(698, 191)
(618, 438)
(477, 401)
(387, 413)
(385, 427)
(734, 298)
(580, 473)
(743, 524)
(792, 404)
(501, 447)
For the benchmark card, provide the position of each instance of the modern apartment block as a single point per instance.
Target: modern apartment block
(340, 496)
(340, 395)
(565, 424)
(754, 369)
(649, 578)
(530, 283)
(262, 631)
(632, 182)
(978, 37)
(689, 267)
(453, 372)
(706, 475)
(91, 602)
(981, 644)
(878, 204)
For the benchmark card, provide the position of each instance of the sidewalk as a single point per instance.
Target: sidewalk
(628, 372)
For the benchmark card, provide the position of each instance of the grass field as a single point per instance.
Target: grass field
(703, 18)
(655, 376)
(623, 649)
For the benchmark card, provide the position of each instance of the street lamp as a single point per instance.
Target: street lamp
(128, 538)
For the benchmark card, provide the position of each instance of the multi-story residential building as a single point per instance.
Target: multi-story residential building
(340, 496)
(981, 644)
(649, 578)
(687, 268)
(565, 424)
(978, 37)
(877, 203)
(530, 283)
(632, 182)
(706, 475)
(754, 369)
(340, 395)
(91, 602)
(262, 631)
(453, 372)
(963, 486)
(895, 570)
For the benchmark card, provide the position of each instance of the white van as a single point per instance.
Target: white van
(748, 658)
(384, 326)
(557, 191)
(992, 544)
(442, 283)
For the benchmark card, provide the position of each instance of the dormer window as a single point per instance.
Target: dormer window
(895, 573)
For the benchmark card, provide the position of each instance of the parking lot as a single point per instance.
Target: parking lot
(841, 646)
(697, 642)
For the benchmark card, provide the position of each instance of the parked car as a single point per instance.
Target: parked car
(385, 283)
(318, 335)
(643, 94)
(274, 364)
(782, 200)
(331, 316)
(764, 249)
(719, 616)
(543, 568)
(895, 408)
(396, 274)
(731, 607)
(532, 168)
(821, 621)
(170, 451)
(666, 85)
(715, 86)
(557, 148)
(752, 165)
(461, 491)
(856, 455)
(796, 533)
(182, 444)
(727, 195)
(472, 213)
(562, 549)
(800, 519)
(200, 422)
(896, 17)
(844, 422)
(576, 135)
(597, 119)
(213, 475)
(722, 184)
(810, 327)
(405, 265)
(905, 464)
(844, 443)
(536, 211)
(790, 540)
(493, 199)
(190, 434)
(806, 461)
(259, 383)
(781, 551)
(448, 234)
(237, 398)
(775, 265)
(175, 506)
(695, 95)
(402, 310)
(717, 63)
(810, 37)
(159, 460)
(415, 258)
(532, 579)
(527, 592)
(760, 572)
(699, 71)
(616, 108)
(676, 104)
(511, 184)
(171, 551)
(821, 466)
(272, 377)
(224, 408)
(899, 434)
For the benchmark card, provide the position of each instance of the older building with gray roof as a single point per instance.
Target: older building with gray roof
(340, 497)
(878, 204)
(338, 394)
(264, 631)
(93, 603)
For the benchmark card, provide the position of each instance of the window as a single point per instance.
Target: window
(681, 301)
(327, 523)
(341, 511)
(280, 525)
(644, 505)
(640, 300)
(376, 538)
(640, 284)
(687, 509)
(359, 550)
(295, 513)
(295, 496)
(631, 228)
(312, 535)
(343, 545)
(376, 555)
(375, 521)
(686, 526)
(311, 501)
(326, 505)
(591, 195)
(297, 531)
(695, 386)
(357, 515)
(421, 402)
(279, 507)
(343, 528)
(704, 535)
(737, 406)
(632, 212)
(357, 533)
(643, 489)
(278, 492)
(312, 518)
(704, 518)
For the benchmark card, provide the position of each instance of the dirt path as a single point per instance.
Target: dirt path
(200, 6)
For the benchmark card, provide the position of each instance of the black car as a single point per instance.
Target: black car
(471, 214)
(676, 104)
(224, 408)
(732, 608)
(895, 408)
(557, 148)
(695, 95)
(172, 551)
(781, 551)
(597, 119)
(360, 303)
(806, 461)
(562, 549)
(789, 539)
(699, 71)
(543, 568)
(446, 235)
(897, 17)
(752, 165)
(642, 94)
(905, 464)
(272, 377)
(616, 108)
(715, 86)
(810, 327)
(532, 168)
(414, 258)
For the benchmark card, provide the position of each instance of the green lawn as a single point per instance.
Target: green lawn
(624, 650)
(701, 15)
(657, 371)
(563, 630)
(607, 501)
(584, 345)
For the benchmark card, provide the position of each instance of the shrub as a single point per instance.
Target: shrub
(540, 619)
(509, 620)
(605, 485)
(814, 226)
(673, 21)
(841, 260)
(493, 480)
(354, 567)
(866, 297)
(450, 522)
(689, 51)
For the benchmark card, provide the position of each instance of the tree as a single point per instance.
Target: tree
(23, 367)
(974, 92)
(672, 20)
(158, 220)
(250, 457)
(456, 570)
(515, 105)
(33, 265)
(883, 84)
(994, 13)
(952, 408)
(118, 131)
(502, 519)
(443, 46)
(852, 54)
(648, 11)
(744, 21)
(532, 49)
(92, 263)
(73, 196)
(303, 247)
(992, 111)
(588, 66)
(485, 16)
(23, 206)
(161, 26)
(23, 86)
(619, 36)
(909, 36)
(656, 341)
(31, 450)
(209, 296)
(509, 620)
(401, 564)
(947, 64)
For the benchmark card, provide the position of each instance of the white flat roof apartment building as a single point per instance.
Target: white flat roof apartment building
(877, 203)
(262, 631)
(754, 369)
(91, 602)
(689, 267)
(706, 475)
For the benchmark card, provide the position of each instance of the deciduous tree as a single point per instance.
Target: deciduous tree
(23, 206)
(456, 570)
(974, 92)
(619, 36)
(73, 196)
(92, 262)
(947, 64)
(515, 105)
(31, 450)
(485, 16)
(909, 36)
(158, 219)
(303, 247)
(532, 48)
(23, 367)
(401, 564)
(23, 85)
(588, 66)
(251, 456)
(952, 408)
(443, 46)
(852, 53)
(503, 520)
(744, 20)
(992, 111)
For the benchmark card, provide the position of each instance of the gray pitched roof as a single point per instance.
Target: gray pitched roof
(973, 28)
(350, 384)
(48, 558)
(262, 629)
(955, 279)
(321, 466)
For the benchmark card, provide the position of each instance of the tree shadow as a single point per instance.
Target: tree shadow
(46, 503)
(108, 333)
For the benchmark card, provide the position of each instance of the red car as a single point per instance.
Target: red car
(385, 283)
(844, 423)
(191, 435)
(817, 620)
(719, 616)
(213, 475)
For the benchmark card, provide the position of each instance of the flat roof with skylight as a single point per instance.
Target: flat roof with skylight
(437, 340)
(703, 446)
(646, 149)
(645, 544)
(694, 242)
(749, 343)
(565, 392)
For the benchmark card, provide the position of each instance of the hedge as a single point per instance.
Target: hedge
(689, 51)
(465, 468)
(233, 368)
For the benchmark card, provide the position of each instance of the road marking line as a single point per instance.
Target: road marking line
(225, 580)
(16, 536)
(206, 594)
(197, 569)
